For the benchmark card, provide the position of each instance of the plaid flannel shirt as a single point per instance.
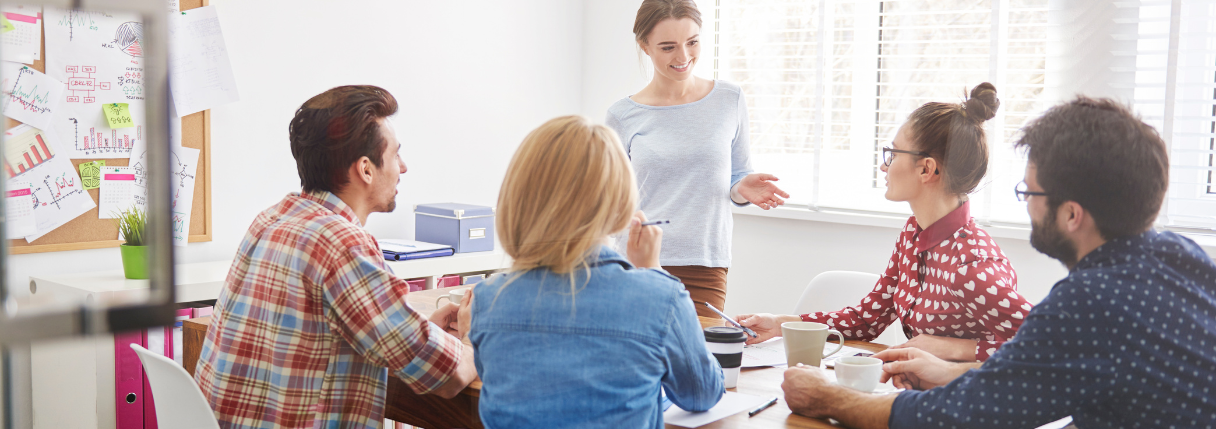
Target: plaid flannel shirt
(309, 322)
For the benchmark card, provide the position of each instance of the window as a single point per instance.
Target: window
(829, 82)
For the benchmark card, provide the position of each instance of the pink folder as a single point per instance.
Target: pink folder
(128, 382)
(201, 311)
(448, 281)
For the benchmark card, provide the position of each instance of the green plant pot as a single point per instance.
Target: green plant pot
(135, 261)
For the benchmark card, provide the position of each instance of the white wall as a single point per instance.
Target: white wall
(471, 77)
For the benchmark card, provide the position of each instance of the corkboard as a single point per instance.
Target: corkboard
(89, 232)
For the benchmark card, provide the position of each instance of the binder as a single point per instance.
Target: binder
(197, 312)
(128, 382)
(402, 250)
(157, 340)
(396, 256)
(181, 316)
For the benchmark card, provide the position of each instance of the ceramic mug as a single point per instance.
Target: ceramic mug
(804, 342)
(858, 372)
(454, 296)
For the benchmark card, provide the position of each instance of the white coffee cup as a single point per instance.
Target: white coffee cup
(858, 372)
(454, 296)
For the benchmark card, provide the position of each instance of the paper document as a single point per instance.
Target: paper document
(199, 69)
(24, 43)
(99, 56)
(20, 210)
(117, 192)
(57, 194)
(184, 166)
(732, 403)
(772, 353)
(32, 97)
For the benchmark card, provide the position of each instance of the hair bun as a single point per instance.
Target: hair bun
(983, 103)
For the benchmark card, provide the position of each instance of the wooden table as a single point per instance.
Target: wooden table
(430, 411)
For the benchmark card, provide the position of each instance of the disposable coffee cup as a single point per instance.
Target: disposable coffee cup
(454, 296)
(858, 372)
(726, 343)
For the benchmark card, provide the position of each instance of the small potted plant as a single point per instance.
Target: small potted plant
(131, 225)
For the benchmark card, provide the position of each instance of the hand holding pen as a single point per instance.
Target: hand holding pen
(645, 242)
(749, 332)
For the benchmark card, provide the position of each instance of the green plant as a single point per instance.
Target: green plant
(131, 225)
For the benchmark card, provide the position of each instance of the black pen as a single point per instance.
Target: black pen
(655, 222)
(762, 407)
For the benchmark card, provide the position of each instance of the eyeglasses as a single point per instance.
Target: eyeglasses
(888, 154)
(1023, 194)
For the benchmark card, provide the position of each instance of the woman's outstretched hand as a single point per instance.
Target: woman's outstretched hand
(759, 189)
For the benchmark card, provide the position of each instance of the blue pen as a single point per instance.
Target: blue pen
(732, 321)
(656, 222)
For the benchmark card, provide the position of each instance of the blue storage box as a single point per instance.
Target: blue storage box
(465, 227)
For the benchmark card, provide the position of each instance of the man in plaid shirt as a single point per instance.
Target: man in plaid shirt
(311, 322)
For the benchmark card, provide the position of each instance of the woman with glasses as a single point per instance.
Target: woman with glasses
(948, 282)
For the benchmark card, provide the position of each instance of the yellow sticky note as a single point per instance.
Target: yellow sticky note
(118, 115)
(5, 26)
(90, 174)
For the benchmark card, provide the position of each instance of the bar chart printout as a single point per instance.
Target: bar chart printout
(25, 151)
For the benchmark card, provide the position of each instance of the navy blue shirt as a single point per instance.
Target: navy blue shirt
(1128, 339)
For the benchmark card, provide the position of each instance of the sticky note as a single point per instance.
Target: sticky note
(5, 26)
(118, 115)
(90, 174)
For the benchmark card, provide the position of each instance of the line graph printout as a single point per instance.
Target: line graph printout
(32, 97)
(184, 166)
(99, 56)
(57, 194)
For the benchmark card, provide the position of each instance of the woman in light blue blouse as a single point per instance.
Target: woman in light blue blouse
(576, 335)
(687, 138)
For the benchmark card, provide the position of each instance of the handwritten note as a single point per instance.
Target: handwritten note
(90, 174)
(118, 115)
(32, 97)
(199, 69)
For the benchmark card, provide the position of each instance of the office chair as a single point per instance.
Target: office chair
(179, 403)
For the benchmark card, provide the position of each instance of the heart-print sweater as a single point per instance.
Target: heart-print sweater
(949, 280)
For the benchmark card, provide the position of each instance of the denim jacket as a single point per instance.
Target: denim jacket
(593, 359)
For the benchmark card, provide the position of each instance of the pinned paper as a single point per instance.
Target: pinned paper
(118, 115)
(117, 192)
(19, 208)
(32, 97)
(5, 26)
(22, 28)
(90, 174)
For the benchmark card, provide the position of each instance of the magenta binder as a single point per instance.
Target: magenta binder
(416, 284)
(448, 281)
(128, 381)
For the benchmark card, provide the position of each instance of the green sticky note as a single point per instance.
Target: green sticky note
(90, 174)
(118, 115)
(5, 26)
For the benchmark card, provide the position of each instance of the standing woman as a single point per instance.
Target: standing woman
(687, 139)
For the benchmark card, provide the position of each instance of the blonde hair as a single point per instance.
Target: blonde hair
(569, 185)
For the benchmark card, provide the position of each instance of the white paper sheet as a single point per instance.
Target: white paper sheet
(19, 207)
(199, 69)
(185, 164)
(24, 43)
(99, 56)
(174, 6)
(117, 193)
(57, 193)
(32, 97)
(732, 403)
(772, 353)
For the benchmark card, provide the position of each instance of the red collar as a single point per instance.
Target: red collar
(944, 228)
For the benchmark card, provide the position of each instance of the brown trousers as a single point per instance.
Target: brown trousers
(704, 284)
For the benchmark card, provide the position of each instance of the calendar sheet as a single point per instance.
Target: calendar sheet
(24, 43)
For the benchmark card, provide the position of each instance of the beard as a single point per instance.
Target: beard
(1047, 239)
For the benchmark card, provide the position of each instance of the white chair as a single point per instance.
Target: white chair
(834, 290)
(179, 403)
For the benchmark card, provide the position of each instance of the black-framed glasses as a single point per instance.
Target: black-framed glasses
(1023, 194)
(888, 154)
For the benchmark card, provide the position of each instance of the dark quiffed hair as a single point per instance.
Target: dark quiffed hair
(334, 129)
(1101, 155)
(953, 134)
